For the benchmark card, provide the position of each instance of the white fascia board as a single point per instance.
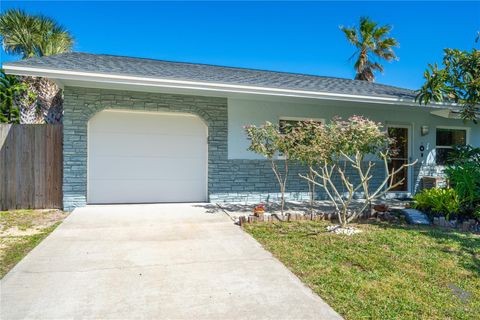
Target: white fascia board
(57, 74)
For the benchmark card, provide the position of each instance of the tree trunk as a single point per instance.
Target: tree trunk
(311, 187)
(47, 107)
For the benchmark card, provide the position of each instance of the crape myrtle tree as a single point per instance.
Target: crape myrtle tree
(268, 141)
(328, 150)
(356, 142)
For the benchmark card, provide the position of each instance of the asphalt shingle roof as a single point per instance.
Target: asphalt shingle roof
(119, 65)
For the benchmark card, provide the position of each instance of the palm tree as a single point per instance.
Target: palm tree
(36, 36)
(29, 36)
(372, 42)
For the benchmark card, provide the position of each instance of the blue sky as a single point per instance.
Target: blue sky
(286, 36)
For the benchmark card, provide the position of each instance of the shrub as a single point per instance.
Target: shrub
(464, 154)
(436, 201)
(465, 179)
(463, 174)
(476, 213)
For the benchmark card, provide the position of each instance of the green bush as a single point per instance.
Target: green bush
(464, 154)
(436, 201)
(465, 179)
(476, 213)
(463, 174)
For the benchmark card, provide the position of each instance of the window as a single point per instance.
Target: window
(446, 140)
(286, 124)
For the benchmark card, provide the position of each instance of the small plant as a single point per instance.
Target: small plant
(259, 210)
(445, 202)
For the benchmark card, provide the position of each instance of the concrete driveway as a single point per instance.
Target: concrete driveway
(163, 261)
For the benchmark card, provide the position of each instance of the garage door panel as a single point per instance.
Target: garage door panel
(148, 145)
(146, 157)
(114, 191)
(146, 123)
(161, 168)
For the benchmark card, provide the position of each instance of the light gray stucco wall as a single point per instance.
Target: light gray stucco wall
(242, 112)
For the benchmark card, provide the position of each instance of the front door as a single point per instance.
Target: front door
(400, 157)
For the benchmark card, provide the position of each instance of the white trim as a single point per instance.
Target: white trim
(208, 86)
(467, 140)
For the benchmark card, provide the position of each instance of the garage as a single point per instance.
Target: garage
(143, 157)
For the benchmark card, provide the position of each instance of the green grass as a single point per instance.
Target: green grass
(23, 230)
(388, 271)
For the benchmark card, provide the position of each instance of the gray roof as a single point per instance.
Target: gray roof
(119, 65)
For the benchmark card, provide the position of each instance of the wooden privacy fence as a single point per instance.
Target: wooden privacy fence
(31, 166)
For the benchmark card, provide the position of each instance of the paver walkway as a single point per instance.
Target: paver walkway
(415, 216)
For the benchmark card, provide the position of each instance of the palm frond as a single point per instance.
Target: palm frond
(29, 35)
(381, 32)
(351, 34)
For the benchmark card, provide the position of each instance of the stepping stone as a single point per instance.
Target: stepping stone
(414, 216)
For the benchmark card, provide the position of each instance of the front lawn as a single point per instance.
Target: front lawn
(389, 271)
(21, 231)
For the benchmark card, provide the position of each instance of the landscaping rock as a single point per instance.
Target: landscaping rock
(346, 231)
(465, 226)
(414, 216)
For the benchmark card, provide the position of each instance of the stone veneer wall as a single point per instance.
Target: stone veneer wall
(80, 104)
(228, 180)
(254, 181)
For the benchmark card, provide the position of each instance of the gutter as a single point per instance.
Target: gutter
(58, 74)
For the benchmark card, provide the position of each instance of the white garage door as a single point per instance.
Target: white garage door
(146, 157)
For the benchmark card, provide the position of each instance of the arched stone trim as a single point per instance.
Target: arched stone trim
(195, 111)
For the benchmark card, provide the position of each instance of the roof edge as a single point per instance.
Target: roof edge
(62, 74)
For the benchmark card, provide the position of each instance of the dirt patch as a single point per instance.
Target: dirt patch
(21, 231)
(20, 223)
(16, 232)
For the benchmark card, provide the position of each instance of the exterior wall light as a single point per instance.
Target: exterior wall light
(424, 130)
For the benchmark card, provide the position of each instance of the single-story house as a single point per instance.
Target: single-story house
(141, 130)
